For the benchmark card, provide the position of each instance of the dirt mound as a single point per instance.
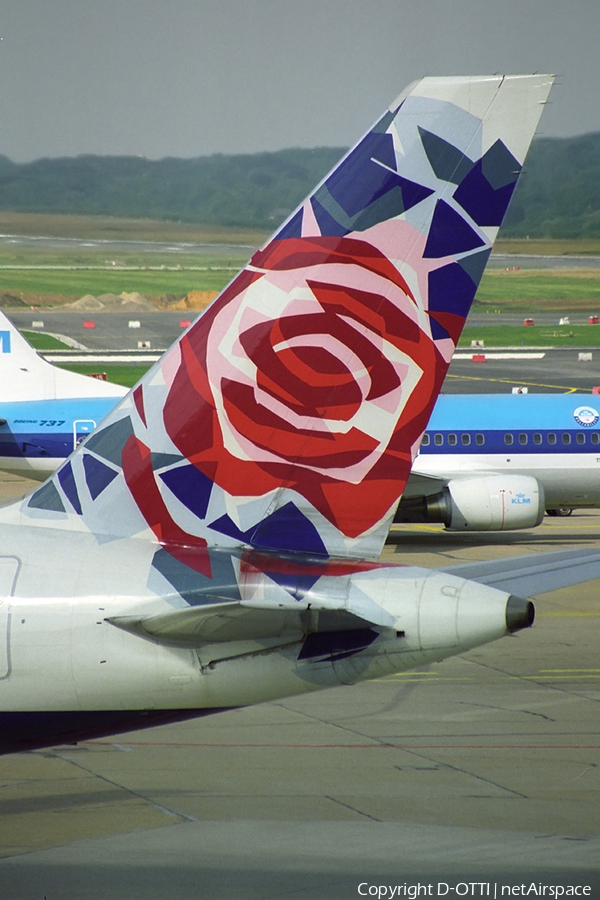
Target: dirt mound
(9, 301)
(195, 300)
(133, 302)
(89, 303)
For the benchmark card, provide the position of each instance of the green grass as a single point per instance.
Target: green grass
(42, 341)
(539, 289)
(78, 283)
(127, 375)
(525, 290)
(532, 336)
(112, 228)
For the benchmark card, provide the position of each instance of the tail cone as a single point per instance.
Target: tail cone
(519, 613)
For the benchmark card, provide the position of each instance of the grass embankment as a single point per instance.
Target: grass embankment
(538, 290)
(40, 274)
(26, 274)
(548, 247)
(44, 288)
(110, 228)
(526, 291)
(42, 341)
(127, 375)
(532, 336)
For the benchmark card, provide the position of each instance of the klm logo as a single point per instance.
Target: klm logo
(5, 341)
(520, 498)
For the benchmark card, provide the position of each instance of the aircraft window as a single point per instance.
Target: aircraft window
(580, 437)
(438, 440)
(508, 439)
(466, 439)
(566, 438)
(595, 437)
(480, 439)
(551, 438)
(522, 438)
(537, 438)
(452, 440)
(425, 441)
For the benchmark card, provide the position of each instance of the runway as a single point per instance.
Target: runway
(559, 371)
(484, 768)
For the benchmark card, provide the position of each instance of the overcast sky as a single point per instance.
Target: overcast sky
(191, 77)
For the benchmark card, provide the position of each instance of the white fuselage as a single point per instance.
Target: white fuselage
(59, 651)
(571, 480)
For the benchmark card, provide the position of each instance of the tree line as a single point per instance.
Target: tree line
(558, 195)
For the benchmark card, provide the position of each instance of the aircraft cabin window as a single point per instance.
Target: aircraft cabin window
(537, 438)
(595, 437)
(508, 439)
(522, 438)
(551, 438)
(580, 438)
(438, 440)
(566, 438)
(452, 440)
(466, 439)
(480, 439)
(425, 441)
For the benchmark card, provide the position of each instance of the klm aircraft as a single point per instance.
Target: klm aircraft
(45, 412)
(486, 462)
(496, 462)
(215, 542)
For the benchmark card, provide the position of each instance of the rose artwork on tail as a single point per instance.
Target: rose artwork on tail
(289, 414)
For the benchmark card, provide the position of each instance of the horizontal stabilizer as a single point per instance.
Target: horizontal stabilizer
(528, 576)
(227, 622)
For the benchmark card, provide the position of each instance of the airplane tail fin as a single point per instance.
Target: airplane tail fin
(26, 376)
(288, 416)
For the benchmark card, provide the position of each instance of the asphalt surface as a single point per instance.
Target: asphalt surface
(558, 370)
(526, 261)
(20, 241)
(482, 769)
(41, 242)
(110, 331)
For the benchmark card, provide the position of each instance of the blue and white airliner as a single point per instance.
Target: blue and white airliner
(486, 462)
(496, 462)
(44, 411)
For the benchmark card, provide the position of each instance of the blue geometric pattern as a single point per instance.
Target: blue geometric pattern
(97, 475)
(449, 234)
(190, 486)
(67, 482)
(287, 529)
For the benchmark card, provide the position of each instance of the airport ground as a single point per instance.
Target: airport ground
(484, 768)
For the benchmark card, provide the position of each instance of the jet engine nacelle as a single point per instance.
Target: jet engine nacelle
(485, 503)
(495, 503)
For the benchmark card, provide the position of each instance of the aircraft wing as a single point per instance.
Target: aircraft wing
(527, 576)
(422, 485)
